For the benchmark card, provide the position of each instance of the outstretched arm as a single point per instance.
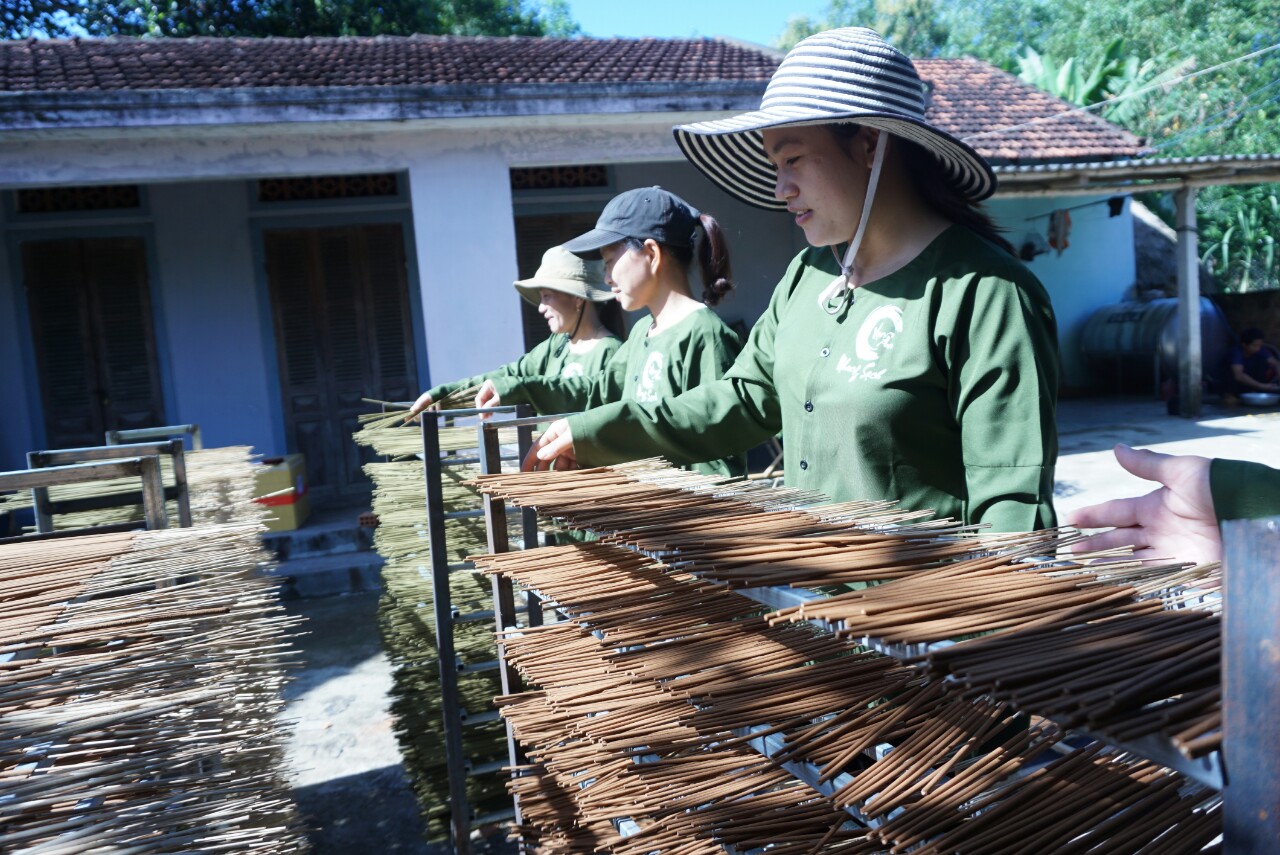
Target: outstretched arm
(1174, 521)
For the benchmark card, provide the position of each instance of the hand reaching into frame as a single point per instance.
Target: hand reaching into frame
(1175, 521)
(553, 450)
(424, 401)
(487, 397)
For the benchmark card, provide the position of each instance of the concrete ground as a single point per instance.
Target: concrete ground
(345, 765)
(1089, 429)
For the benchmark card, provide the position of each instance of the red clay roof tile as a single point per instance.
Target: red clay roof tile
(1000, 115)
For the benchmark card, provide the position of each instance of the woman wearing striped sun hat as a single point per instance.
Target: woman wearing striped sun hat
(906, 355)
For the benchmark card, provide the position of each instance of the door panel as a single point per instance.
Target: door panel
(343, 333)
(94, 338)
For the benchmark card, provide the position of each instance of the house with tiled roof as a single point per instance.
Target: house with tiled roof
(256, 234)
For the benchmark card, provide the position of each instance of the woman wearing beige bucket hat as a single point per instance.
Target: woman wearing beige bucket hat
(918, 365)
(585, 321)
(650, 240)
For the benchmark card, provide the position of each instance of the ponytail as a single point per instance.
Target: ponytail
(713, 260)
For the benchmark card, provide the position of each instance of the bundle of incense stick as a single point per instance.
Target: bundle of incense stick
(649, 506)
(962, 584)
(647, 729)
(1126, 676)
(140, 699)
(1106, 657)
(692, 802)
(1088, 801)
(390, 435)
(937, 588)
(406, 615)
(219, 487)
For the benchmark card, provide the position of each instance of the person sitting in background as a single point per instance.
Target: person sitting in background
(1253, 364)
(584, 318)
(1180, 519)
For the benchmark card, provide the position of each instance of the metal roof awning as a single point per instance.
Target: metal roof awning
(1139, 175)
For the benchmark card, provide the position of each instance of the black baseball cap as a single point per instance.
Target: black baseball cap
(643, 213)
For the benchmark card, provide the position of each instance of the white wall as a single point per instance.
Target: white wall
(464, 232)
(1095, 270)
(220, 363)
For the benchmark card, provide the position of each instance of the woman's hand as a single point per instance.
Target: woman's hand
(1176, 521)
(553, 450)
(424, 401)
(487, 397)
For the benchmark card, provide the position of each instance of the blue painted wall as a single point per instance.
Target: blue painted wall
(18, 394)
(1096, 269)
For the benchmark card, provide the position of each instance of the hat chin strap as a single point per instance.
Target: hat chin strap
(582, 309)
(840, 291)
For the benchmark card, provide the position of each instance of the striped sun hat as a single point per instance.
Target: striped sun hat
(845, 75)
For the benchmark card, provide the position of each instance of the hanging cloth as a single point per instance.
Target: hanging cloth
(1060, 230)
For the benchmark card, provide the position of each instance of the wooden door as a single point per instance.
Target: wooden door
(340, 303)
(94, 337)
(534, 236)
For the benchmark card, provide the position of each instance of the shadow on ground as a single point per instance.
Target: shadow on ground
(1138, 423)
(348, 781)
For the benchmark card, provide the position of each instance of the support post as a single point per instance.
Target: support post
(153, 493)
(1190, 359)
(504, 604)
(528, 516)
(442, 609)
(1250, 687)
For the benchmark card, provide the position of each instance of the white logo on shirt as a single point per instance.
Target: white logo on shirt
(874, 339)
(877, 332)
(573, 369)
(650, 379)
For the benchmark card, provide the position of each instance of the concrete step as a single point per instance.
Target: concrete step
(319, 538)
(327, 575)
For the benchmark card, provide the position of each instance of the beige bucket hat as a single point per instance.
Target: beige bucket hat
(563, 271)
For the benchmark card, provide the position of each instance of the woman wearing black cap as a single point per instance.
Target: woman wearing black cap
(648, 238)
(920, 364)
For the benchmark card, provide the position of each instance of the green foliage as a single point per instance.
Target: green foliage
(1237, 237)
(1128, 82)
(915, 27)
(1132, 52)
(182, 18)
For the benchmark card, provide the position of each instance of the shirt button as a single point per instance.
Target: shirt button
(637, 378)
(808, 406)
(825, 352)
(804, 464)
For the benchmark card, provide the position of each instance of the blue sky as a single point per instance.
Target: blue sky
(756, 21)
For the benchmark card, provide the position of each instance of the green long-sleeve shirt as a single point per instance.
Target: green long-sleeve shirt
(1243, 490)
(935, 388)
(552, 357)
(647, 369)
